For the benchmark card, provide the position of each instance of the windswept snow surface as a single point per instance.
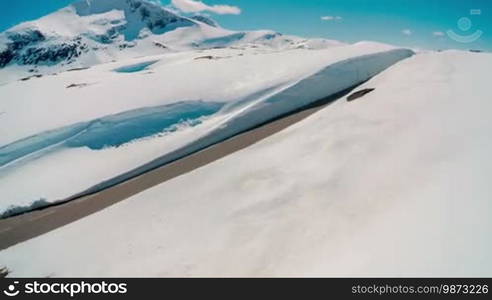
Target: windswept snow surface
(396, 183)
(86, 126)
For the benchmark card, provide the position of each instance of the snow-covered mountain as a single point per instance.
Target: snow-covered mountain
(86, 28)
(94, 31)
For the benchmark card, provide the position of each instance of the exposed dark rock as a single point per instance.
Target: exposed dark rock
(29, 47)
(212, 57)
(77, 69)
(21, 39)
(79, 85)
(104, 38)
(271, 36)
(134, 5)
(4, 272)
(160, 45)
(205, 20)
(144, 12)
(6, 57)
(204, 57)
(17, 210)
(29, 77)
(359, 94)
(126, 45)
(51, 54)
(18, 41)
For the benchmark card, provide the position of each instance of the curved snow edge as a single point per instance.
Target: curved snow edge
(340, 76)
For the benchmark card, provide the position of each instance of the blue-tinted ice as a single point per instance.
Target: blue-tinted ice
(114, 130)
(135, 67)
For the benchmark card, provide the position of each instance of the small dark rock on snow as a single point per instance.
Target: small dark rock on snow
(4, 272)
(204, 57)
(29, 77)
(359, 94)
(79, 85)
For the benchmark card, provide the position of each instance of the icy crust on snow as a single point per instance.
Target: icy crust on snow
(53, 152)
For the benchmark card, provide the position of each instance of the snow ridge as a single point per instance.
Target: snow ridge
(324, 83)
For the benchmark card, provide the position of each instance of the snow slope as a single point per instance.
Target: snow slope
(66, 125)
(396, 183)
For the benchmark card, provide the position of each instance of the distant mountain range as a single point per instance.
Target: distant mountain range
(90, 32)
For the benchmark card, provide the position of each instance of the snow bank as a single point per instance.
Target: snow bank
(330, 80)
(396, 183)
(109, 113)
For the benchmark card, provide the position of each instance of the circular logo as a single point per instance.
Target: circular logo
(464, 24)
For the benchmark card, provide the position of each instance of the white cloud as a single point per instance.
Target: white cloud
(198, 6)
(438, 33)
(331, 18)
(406, 32)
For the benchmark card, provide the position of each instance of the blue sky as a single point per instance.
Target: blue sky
(415, 23)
